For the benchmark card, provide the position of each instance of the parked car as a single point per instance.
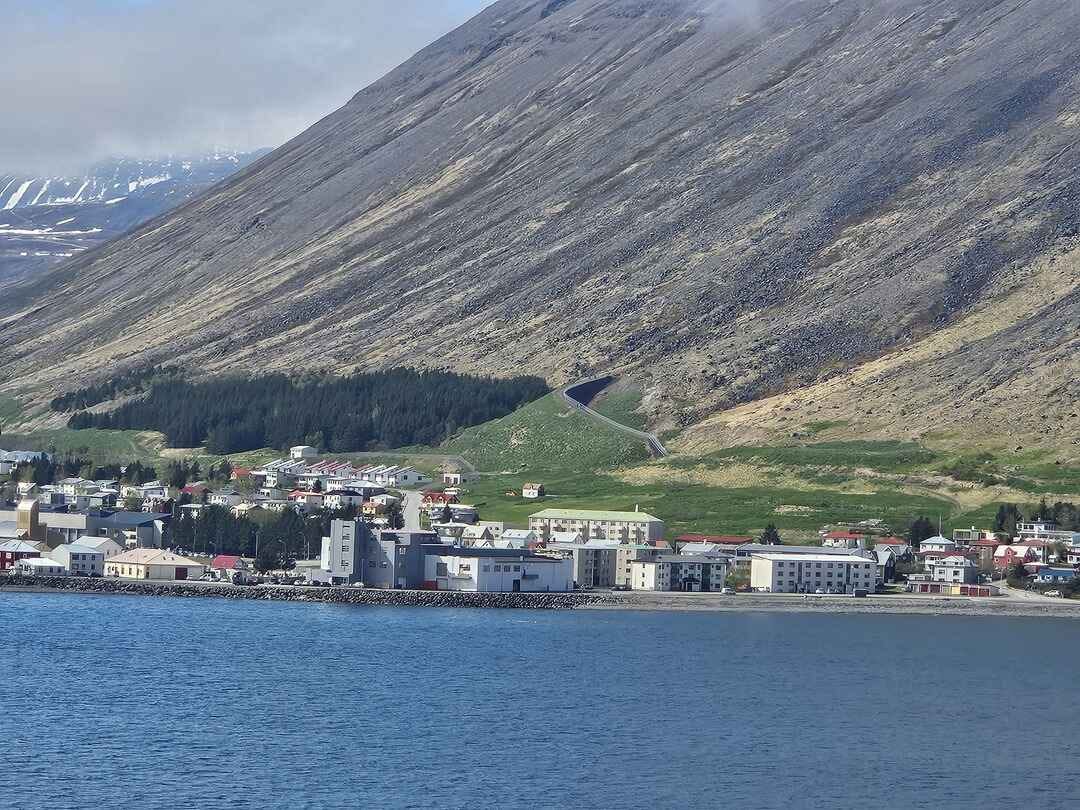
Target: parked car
(726, 591)
(1054, 594)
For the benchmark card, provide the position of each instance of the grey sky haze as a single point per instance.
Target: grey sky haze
(86, 79)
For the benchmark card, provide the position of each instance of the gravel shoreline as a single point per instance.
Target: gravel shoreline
(1007, 606)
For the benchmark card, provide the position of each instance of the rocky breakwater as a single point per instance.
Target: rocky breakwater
(339, 595)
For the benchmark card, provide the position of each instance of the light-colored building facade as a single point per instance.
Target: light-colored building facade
(153, 564)
(497, 571)
(953, 569)
(79, 560)
(679, 572)
(40, 567)
(782, 572)
(624, 527)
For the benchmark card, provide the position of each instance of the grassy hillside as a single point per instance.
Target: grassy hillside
(545, 435)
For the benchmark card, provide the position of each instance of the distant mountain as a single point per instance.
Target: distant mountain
(46, 220)
(860, 214)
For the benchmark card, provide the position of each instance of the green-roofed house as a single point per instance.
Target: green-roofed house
(625, 527)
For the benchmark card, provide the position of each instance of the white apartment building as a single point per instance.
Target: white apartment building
(782, 572)
(953, 569)
(679, 572)
(625, 527)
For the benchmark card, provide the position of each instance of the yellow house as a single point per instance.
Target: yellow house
(154, 564)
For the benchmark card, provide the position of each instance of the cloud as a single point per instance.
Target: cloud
(86, 79)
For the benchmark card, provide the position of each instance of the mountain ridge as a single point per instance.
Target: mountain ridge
(728, 206)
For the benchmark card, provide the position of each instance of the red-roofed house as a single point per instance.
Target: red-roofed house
(306, 500)
(1006, 556)
(198, 491)
(240, 472)
(226, 564)
(429, 499)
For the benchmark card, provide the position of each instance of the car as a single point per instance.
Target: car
(620, 587)
(726, 591)
(819, 591)
(860, 593)
(1053, 594)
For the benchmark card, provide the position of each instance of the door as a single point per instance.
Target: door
(181, 573)
(517, 585)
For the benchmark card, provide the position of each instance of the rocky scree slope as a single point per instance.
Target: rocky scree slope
(728, 200)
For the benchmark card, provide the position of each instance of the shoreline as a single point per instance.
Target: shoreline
(891, 604)
(880, 604)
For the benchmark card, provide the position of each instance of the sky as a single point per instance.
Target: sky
(89, 79)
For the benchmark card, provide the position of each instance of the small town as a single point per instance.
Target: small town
(393, 527)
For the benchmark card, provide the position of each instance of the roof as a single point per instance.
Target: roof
(1058, 573)
(588, 514)
(891, 541)
(760, 548)
(955, 559)
(520, 534)
(225, 561)
(508, 553)
(93, 543)
(683, 559)
(9, 528)
(121, 520)
(719, 539)
(78, 548)
(938, 540)
(40, 562)
(844, 558)
(151, 556)
(18, 547)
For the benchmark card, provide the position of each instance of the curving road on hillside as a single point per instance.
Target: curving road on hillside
(579, 394)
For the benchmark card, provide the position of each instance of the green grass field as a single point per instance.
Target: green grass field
(692, 508)
(620, 402)
(96, 446)
(548, 435)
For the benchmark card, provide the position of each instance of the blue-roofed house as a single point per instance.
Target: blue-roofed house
(1055, 576)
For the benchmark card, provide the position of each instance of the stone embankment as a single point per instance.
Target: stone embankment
(341, 595)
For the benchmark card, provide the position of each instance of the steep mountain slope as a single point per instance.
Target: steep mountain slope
(45, 220)
(726, 200)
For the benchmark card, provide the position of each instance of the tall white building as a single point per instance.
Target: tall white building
(781, 572)
(624, 527)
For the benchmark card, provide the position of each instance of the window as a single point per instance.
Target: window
(517, 567)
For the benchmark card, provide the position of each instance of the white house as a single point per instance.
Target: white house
(343, 499)
(496, 571)
(226, 497)
(784, 572)
(39, 567)
(519, 538)
(302, 452)
(937, 543)
(532, 490)
(79, 560)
